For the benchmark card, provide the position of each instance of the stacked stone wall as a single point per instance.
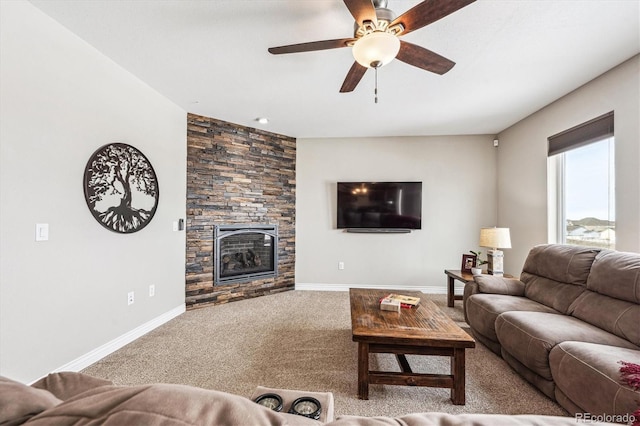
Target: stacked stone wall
(237, 175)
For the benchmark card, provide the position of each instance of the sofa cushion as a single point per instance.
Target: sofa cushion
(483, 309)
(617, 316)
(616, 274)
(547, 387)
(162, 404)
(555, 274)
(445, 419)
(614, 288)
(555, 294)
(562, 263)
(566, 403)
(579, 368)
(67, 384)
(530, 336)
(499, 285)
(19, 402)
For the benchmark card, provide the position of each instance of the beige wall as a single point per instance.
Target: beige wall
(459, 196)
(522, 160)
(467, 184)
(61, 100)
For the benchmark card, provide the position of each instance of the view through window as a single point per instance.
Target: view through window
(582, 202)
(588, 195)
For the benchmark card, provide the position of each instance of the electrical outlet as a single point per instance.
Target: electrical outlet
(340, 265)
(152, 290)
(130, 298)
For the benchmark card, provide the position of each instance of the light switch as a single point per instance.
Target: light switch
(42, 231)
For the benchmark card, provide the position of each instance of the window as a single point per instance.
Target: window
(582, 176)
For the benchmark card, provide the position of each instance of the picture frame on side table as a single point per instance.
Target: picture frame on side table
(468, 262)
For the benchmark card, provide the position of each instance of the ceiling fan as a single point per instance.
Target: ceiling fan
(376, 40)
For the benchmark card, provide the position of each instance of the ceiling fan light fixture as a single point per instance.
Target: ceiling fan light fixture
(376, 49)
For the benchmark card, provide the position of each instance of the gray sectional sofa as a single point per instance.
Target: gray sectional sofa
(565, 324)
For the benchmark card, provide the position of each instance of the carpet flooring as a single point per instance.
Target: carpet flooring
(302, 340)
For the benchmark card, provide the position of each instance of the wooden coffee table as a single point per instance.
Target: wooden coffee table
(424, 330)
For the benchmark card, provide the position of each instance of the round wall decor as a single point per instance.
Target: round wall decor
(121, 188)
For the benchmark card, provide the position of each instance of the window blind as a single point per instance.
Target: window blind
(583, 134)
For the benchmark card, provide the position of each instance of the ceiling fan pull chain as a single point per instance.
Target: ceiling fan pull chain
(375, 91)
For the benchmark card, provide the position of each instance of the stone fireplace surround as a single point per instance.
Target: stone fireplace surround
(236, 175)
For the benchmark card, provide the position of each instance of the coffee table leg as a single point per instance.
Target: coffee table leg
(363, 370)
(450, 292)
(457, 370)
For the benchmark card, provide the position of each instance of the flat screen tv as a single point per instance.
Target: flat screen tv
(379, 205)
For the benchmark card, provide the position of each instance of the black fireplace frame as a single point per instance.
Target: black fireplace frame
(223, 231)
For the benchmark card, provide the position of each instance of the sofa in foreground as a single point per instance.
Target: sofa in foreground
(566, 325)
(76, 399)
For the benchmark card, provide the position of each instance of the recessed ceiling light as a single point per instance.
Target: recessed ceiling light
(262, 120)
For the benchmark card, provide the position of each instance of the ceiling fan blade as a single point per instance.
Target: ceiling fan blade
(362, 10)
(311, 46)
(427, 12)
(423, 58)
(353, 77)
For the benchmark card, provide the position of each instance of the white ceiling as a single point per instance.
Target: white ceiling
(210, 57)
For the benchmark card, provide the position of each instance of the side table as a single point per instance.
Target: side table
(464, 277)
(452, 276)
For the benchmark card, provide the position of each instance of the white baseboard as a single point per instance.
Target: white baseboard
(346, 287)
(97, 354)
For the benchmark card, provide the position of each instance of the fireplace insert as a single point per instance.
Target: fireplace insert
(245, 252)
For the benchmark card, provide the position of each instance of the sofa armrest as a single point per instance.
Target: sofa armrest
(19, 402)
(499, 285)
(470, 289)
(67, 384)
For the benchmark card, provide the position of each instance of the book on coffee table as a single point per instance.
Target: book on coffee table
(389, 305)
(405, 301)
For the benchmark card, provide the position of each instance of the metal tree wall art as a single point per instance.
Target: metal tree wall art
(121, 188)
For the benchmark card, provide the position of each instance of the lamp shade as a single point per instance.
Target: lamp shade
(376, 49)
(495, 238)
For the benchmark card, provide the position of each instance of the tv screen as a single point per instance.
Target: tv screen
(380, 205)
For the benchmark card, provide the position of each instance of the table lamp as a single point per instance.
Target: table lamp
(495, 238)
